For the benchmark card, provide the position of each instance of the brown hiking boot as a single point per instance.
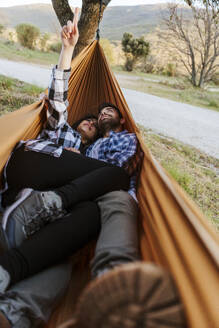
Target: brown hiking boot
(135, 295)
(4, 323)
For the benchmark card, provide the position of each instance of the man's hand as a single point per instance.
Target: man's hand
(43, 96)
(69, 33)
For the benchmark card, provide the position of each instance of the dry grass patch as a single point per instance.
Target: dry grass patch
(14, 94)
(196, 172)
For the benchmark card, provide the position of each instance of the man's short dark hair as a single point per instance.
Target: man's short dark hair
(106, 104)
(87, 117)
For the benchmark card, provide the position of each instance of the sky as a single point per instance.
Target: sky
(8, 3)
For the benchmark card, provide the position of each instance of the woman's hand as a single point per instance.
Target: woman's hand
(69, 33)
(69, 38)
(73, 149)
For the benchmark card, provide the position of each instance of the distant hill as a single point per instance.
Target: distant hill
(137, 20)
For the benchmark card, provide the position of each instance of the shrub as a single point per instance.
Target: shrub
(215, 79)
(1, 28)
(170, 70)
(134, 49)
(56, 47)
(27, 35)
(108, 50)
(213, 103)
(43, 41)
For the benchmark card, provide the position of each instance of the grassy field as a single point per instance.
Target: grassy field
(177, 89)
(174, 88)
(197, 173)
(14, 51)
(15, 94)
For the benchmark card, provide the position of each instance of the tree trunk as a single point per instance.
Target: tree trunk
(63, 11)
(201, 78)
(88, 22)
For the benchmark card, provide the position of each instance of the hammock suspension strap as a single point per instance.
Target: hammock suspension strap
(98, 28)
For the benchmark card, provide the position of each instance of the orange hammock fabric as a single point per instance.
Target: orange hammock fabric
(173, 232)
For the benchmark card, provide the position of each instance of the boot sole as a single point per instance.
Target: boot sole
(135, 295)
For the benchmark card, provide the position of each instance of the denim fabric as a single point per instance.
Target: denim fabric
(118, 240)
(29, 303)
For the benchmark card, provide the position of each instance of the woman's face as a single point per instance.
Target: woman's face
(88, 129)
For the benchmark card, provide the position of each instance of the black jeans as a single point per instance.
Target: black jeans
(54, 242)
(73, 176)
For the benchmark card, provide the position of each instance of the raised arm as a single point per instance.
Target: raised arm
(58, 87)
(69, 37)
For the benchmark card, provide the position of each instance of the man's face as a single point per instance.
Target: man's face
(109, 116)
(88, 128)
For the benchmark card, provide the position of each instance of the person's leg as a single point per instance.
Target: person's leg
(53, 243)
(118, 239)
(126, 292)
(40, 208)
(29, 169)
(92, 185)
(30, 302)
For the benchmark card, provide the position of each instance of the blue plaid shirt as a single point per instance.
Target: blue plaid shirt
(118, 149)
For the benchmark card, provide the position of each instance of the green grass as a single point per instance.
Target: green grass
(196, 172)
(15, 94)
(173, 88)
(14, 51)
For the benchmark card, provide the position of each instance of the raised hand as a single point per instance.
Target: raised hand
(69, 37)
(69, 33)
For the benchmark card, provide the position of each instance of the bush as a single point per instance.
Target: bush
(148, 68)
(27, 35)
(43, 41)
(215, 79)
(213, 103)
(1, 28)
(170, 70)
(134, 49)
(108, 50)
(56, 47)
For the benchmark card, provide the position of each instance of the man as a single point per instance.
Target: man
(117, 244)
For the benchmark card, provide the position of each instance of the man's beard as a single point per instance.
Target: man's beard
(107, 125)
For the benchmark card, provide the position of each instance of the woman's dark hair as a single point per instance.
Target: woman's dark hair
(75, 125)
(106, 104)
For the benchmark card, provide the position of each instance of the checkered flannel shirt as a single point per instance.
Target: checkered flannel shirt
(57, 134)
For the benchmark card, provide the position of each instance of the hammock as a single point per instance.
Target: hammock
(173, 232)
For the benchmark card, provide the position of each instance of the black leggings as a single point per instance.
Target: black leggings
(73, 176)
(53, 243)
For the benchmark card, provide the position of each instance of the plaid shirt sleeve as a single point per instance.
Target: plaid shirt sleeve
(128, 149)
(58, 90)
(132, 187)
